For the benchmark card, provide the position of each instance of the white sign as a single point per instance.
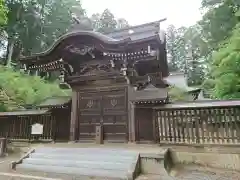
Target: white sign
(37, 129)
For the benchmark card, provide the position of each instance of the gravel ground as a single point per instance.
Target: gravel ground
(195, 173)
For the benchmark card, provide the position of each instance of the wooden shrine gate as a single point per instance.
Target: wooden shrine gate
(105, 107)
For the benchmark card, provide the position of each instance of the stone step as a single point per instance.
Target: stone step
(81, 163)
(78, 164)
(86, 151)
(58, 171)
(88, 157)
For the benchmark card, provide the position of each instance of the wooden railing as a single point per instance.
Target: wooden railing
(198, 125)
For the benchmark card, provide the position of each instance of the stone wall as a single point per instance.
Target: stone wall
(221, 157)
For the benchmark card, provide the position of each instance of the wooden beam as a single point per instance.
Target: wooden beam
(73, 117)
(132, 124)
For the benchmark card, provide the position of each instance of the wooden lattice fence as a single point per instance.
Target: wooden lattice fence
(17, 126)
(198, 124)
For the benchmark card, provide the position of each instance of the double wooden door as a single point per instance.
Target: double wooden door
(106, 107)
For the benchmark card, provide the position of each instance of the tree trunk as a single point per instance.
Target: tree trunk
(10, 47)
(16, 52)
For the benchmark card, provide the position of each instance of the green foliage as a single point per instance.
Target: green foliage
(3, 11)
(106, 22)
(122, 23)
(215, 45)
(218, 22)
(208, 86)
(176, 48)
(186, 52)
(226, 68)
(33, 26)
(24, 89)
(6, 103)
(195, 74)
(177, 94)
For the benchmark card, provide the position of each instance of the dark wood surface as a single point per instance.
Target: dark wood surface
(106, 107)
(145, 130)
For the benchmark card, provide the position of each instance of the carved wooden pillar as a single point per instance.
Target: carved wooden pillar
(73, 117)
(132, 124)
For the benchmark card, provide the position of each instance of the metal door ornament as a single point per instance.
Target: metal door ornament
(90, 103)
(114, 102)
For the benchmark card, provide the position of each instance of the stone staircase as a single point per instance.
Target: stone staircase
(81, 163)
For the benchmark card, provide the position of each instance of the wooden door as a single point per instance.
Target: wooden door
(145, 125)
(107, 107)
(115, 119)
(89, 115)
(62, 124)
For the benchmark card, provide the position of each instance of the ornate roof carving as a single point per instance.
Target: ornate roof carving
(77, 41)
(78, 47)
(90, 37)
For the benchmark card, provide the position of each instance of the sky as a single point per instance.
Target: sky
(177, 12)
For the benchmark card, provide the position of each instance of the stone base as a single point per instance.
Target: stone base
(71, 142)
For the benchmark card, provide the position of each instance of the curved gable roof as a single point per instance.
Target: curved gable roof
(79, 34)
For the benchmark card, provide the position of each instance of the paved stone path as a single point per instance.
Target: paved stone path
(207, 175)
(189, 173)
(192, 173)
(200, 174)
(13, 176)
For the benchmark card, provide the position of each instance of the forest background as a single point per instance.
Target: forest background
(208, 51)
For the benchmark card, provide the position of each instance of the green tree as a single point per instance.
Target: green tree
(34, 25)
(122, 23)
(60, 19)
(18, 89)
(3, 11)
(196, 58)
(6, 103)
(176, 48)
(216, 27)
(225, 68)
(219, 20)
(107, 22)
(95, 19)
(195, 72)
